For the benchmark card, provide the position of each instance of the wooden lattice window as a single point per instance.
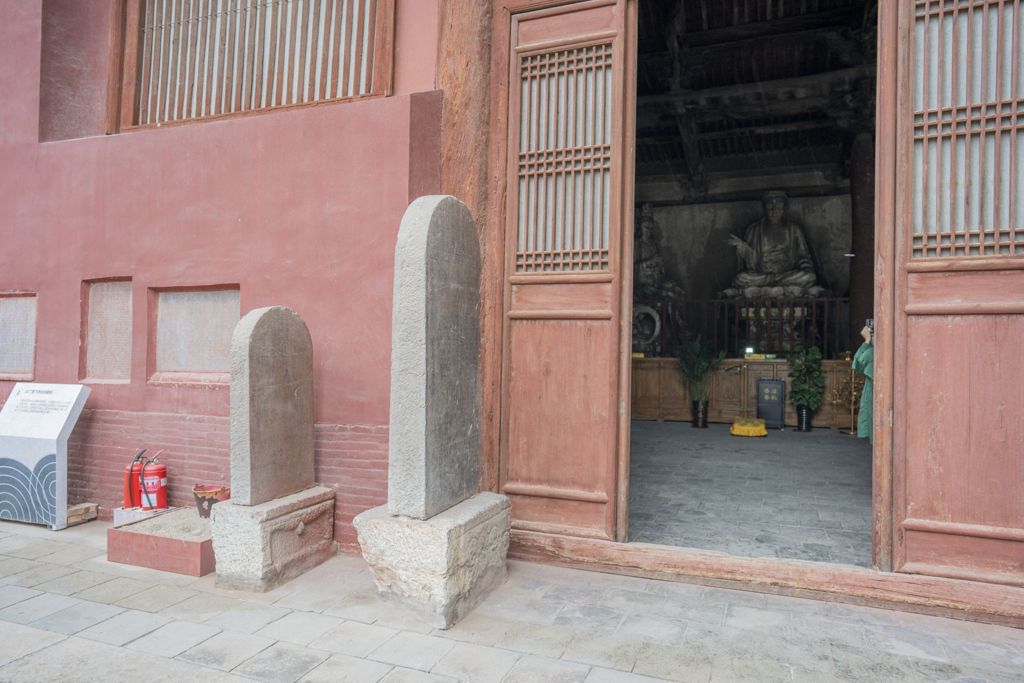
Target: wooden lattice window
(967, 84)
(192, 59)
(565, 160)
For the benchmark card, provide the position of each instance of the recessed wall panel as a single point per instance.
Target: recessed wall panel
(108, 333)
(17, 335)
(193, 330)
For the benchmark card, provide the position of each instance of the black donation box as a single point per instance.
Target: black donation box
(771, 402)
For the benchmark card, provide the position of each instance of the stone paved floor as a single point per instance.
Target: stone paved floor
(68, 615)
(804, 496)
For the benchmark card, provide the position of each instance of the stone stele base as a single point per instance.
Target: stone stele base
(442, 566)
(260, 546)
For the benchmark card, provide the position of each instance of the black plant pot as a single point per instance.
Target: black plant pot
(699, 411)
(803, 418)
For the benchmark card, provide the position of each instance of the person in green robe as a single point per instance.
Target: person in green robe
(864, 362)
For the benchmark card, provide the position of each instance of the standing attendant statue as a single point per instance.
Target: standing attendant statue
(864, 363)
(775, 260)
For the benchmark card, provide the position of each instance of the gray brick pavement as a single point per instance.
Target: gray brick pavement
(545, 624)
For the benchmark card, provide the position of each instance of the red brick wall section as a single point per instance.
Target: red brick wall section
(354, 458)
(351, 458)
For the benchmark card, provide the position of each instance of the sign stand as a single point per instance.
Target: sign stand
(35, 424)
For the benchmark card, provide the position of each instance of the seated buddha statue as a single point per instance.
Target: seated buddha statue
(773, 255)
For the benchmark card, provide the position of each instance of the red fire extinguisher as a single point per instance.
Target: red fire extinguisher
(145, 483)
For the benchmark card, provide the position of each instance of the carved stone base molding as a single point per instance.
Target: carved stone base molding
(442, 566)
(260, 546)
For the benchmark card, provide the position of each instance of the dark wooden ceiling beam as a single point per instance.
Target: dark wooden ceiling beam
(808, 87)
(772, 28)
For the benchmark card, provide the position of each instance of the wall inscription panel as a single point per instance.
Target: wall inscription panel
(17, 336)
(108, 333)
(193, 330)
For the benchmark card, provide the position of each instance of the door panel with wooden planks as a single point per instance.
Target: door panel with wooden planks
(958, 423)
(568, 201)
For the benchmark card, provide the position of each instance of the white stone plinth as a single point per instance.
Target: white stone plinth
(260, 546)
(442, 566)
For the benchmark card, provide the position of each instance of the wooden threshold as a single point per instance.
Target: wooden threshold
(953, 598)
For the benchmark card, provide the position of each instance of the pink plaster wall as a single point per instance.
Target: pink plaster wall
(75, 58)
(298, 207)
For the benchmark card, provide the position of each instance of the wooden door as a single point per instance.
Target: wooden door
(568, 212)
(958, 422)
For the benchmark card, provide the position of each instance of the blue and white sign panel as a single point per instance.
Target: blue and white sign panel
(35, 424)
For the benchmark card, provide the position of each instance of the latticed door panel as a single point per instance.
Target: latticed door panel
(565, 160)
(958, 469)
(968, 128)
(568, 197)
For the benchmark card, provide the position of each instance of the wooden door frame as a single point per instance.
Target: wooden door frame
(887, 165)
(948, 597)
(886, 168)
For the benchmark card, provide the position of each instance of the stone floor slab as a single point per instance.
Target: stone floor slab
(77, 617)
(690, 663)
(354, 638)
(400, 675)
(14, 565)
(649, 628)
(74, 554)
(468, 662)
(18, 640)
(593, 618)
(156, 598)
(201, 607)
(33, 549)
(281, 663)
(543, 641)
(124, 627)
(226, 650)
(412, 650)
(74, 582)
(530, 669)
(37, 573)
(10, 595)
(248, 617)
(111, 591)
(599, 675)
(345, 669)
(300, 627)
(174, 638)
(603, 650)
(37, 607)
(74, 660)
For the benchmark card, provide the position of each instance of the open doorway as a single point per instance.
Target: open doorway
(753, 242)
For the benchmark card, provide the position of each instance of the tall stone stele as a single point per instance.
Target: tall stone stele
(439, 544)
(278, 522)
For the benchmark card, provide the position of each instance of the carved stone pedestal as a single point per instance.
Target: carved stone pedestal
(442, 566)
(260, 546)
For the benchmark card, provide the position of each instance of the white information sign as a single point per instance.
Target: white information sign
(35, 424)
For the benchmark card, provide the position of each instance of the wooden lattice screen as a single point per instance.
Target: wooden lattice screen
(565, 156)
(967, 84)
(188, 59)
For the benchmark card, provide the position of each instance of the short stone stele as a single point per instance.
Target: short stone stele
(439, 544)
(278, 522)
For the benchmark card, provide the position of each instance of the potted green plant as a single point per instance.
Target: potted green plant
(697, 362)
(807, 385)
